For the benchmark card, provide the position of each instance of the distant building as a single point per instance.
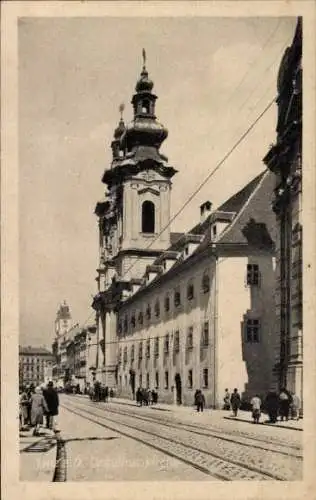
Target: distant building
(35, 365)
(284, 159)
(179, 312)
(63, 327)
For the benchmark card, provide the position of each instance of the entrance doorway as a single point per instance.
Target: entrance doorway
(177, 380)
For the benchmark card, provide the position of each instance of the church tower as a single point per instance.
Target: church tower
(134, 218)
(139, 186)
(63, 320)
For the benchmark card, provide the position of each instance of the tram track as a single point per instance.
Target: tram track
(243, 439)
(212, 463)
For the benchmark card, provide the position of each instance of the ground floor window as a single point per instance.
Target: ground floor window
(166, 380)
(190, 379)
(157, 380)
(205, 378)
(147, 380)
(140, 380)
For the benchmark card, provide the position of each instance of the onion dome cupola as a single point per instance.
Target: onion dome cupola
(144, 130)
(118, 132)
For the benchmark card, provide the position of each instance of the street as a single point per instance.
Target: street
(119, 441)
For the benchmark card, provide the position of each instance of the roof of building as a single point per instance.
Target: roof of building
(250, 219)
(29, 350)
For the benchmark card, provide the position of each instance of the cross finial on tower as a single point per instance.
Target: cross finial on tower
(121, 109)
(144, 59)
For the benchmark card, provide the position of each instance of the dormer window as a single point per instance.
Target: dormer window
(148, 312)
(190, 291)
(157, 309)
(140, 318)
(133, 321)
(206, 282)
(177, 298)
(121, 153)
(214, 231)
(167, 303)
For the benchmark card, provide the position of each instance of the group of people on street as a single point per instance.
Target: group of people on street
(100, 392)
(145, 397)
(35, 403)
(284, 405)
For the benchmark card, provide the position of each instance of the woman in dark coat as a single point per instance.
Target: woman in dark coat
(52, 401)
(235, 402)
(272, 406)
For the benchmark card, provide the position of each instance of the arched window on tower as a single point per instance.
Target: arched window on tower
(148, 217)
(145, 106)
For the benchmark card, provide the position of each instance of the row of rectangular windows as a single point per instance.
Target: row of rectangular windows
(177, 303)
(252, 279)
(252, 335)
(205, 375)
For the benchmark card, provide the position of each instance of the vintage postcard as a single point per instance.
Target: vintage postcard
(158, 249)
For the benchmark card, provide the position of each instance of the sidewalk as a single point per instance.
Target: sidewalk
(243, 416)
(37, 455)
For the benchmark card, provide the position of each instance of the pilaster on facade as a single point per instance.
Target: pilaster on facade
(284, 159)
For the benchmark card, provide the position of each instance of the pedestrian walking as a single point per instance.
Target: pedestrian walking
(272, 406)
(139, 398)
(256, 408)
(23, 405)
(226, 400)
(295, 407)
(199, 400)
(38, 408)
(285, 400)
(235, 401)
(52, 401)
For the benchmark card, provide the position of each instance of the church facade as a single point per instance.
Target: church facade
(179, 312)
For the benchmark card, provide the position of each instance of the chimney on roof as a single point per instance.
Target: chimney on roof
(205, 210)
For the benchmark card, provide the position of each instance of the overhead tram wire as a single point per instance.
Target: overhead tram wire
(249, 70)
(197, 190)
(255, 60)
(208, 177)
(258, 84)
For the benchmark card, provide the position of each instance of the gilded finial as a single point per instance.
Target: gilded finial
(144, 59)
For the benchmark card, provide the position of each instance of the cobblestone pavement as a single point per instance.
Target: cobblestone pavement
(218, 450)
(37, 456)
(95, 453)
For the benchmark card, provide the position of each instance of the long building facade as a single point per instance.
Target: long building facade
(284, 159)
(180, 312)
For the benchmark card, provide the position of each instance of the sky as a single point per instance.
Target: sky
(213, 77)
